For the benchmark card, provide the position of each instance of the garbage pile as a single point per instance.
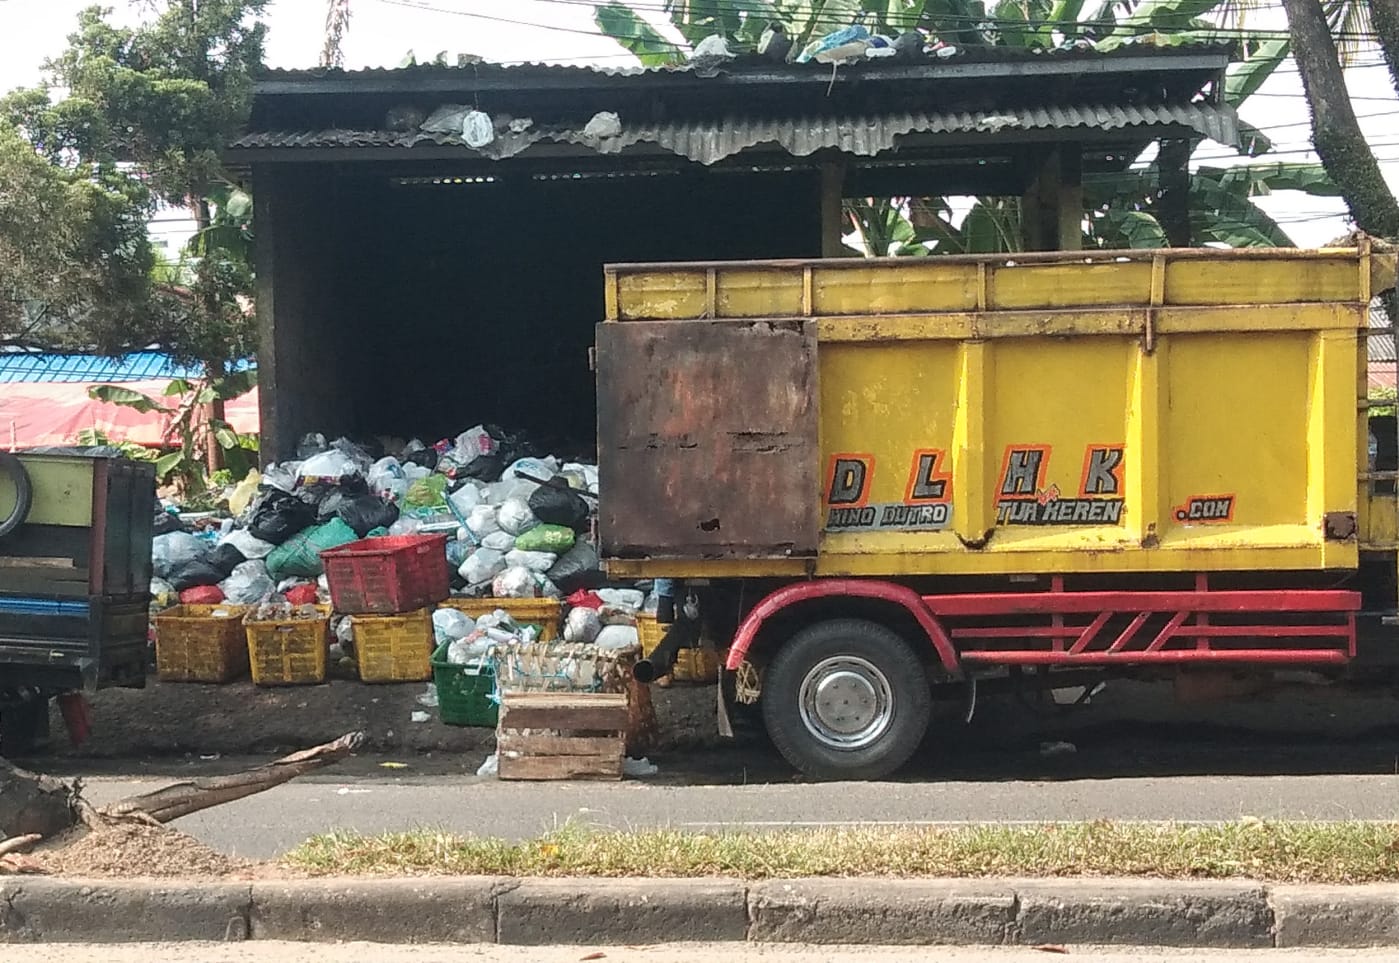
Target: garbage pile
(518, 525)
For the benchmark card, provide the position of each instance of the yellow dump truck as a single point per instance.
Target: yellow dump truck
(882, 478)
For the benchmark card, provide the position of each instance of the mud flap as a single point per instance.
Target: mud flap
(725, 727)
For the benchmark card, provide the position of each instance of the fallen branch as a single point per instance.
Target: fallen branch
(182, 798)
(17, 844)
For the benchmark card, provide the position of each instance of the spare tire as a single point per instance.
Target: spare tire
(13, 468)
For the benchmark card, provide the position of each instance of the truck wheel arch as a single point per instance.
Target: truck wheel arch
(896, 599)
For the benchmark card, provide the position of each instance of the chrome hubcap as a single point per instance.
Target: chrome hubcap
(846, 702)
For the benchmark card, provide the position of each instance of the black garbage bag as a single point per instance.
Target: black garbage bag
(364, 513)
(427, 457)
(279, 515)
(226, 558)
(194, 573)
(165, 523)
(578, 568)
(559, 505)
(486, 468)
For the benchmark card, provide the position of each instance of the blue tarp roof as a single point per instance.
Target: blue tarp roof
(24, 366)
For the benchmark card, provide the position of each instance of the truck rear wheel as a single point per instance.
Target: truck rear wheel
(846, 699)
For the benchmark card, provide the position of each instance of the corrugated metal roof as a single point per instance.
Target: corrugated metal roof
(19, 366)
(966, 53)
(711, 141)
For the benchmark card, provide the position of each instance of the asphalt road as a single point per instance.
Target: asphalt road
(270, 952)
(268, 824)
(1133, 755)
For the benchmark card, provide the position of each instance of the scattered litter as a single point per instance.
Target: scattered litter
(212, 757)
(429, 696)
(491, 767)
(351, 791)
(604, 125)
(476, 129)
(393, 765)
(639, 767)
(1051, 749)
(419, 716)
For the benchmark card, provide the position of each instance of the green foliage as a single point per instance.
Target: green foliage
(131, 118)
(189, 433)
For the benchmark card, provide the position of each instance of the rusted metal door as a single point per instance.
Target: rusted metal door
(708, 439)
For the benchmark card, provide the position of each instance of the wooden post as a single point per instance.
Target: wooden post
(1051, 211)
(1173, 197)
(832, 211)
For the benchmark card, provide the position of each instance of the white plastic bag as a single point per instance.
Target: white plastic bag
(516, 582)
(545, 468)
(482, 566)
(468, 650)
(516, 517)
(388, 478)
(451, 625)
(406, 525)
(499, 541)
(582, 625)
(534, 561)
(625, 598)
(498, 493)
(281, 476)
(618, 638)
(175, 550)
(482, 522)
(248, 544)
(465, 498)
(412, 471)
(477, 129)
(248, 584)
(331, 465)
(473, 443)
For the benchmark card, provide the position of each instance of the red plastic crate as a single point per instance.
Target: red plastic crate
(388, 576)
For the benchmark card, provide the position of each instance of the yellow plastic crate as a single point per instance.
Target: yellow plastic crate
(699, 666)
(288, 651)
(545, 613)
(194, 645)
(394, 648)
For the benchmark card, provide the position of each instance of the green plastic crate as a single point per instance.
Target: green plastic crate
(464, 694)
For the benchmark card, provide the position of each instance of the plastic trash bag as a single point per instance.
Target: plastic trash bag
(226, 557)
(310, 445)
(166, 522)
(243, 493)
(406, 525)
(483, 467)
(386, 477)
(491, 767)
(163, 594)
(249, 584)
(281, 477)
(473, 443)
(195, 572)
(477, 129)
(246, 542)
(626, 598)
(201, 595)
(175, 549)
(539, 562)
(482, 566)
(559, 506)
(545, 538)
(499, 541)
(361, 458)
(471, 649)
(303, 594)
(516, 518)
(516, 582)
(458, 551)
(531, 469)
(484, 521)
(279, 515)
(448, 625)
(634, 768)
(430, 492)
(330, 465)
(465, 498)
(301, 555)
(364, 513)
(582, 625)
(618, 638)
(578, 568)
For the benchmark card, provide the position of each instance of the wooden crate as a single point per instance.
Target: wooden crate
(558, 735)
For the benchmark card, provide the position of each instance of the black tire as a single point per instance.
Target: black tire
(14, 468)
(24, 727)
(905, 683)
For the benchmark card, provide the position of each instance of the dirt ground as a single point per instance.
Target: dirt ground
(187, 719)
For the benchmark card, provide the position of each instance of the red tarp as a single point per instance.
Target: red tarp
(33, 414)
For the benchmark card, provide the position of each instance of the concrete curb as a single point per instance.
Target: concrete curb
(1224, 914)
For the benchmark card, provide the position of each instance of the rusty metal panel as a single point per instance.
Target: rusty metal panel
(708, 439)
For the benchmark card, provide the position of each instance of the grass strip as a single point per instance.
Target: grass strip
(1295, 852)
